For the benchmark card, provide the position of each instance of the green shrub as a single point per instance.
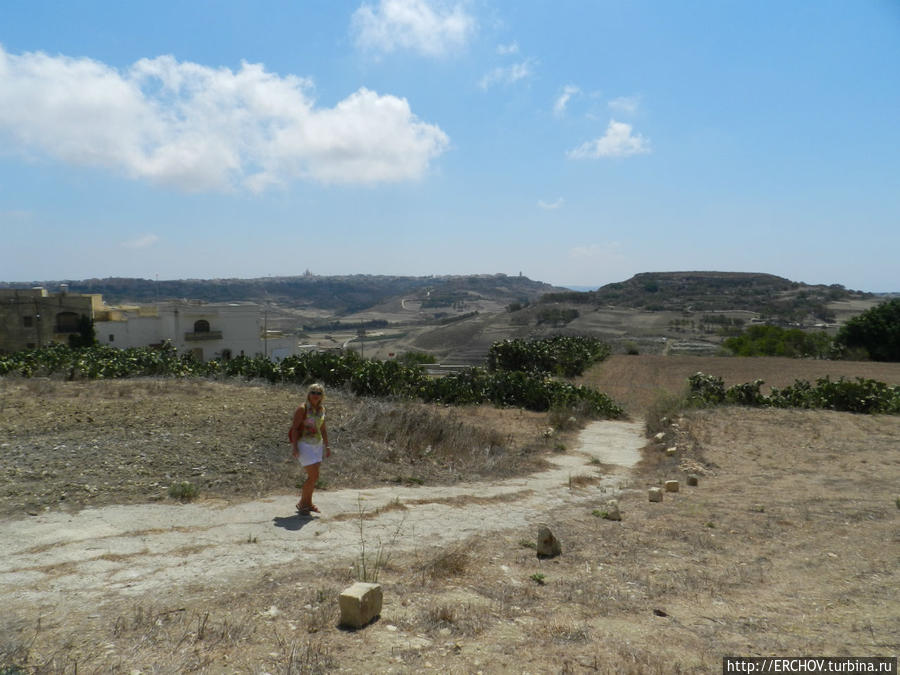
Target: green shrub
(777, 341)
(534, 390)
(567, 356)
(518, 389)
(876, 330)
(856, 396)
(386, 378)
(185, 491)
(745, 394)
(706, 389)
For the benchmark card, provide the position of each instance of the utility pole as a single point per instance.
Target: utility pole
(361, 333)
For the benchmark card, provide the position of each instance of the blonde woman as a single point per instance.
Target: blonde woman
(309, 442)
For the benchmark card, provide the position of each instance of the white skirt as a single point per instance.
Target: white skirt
(309, 453)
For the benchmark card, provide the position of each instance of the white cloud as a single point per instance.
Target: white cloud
(619, 141)
(511, 48)
(570, 90)
(200, 128)
(626, 105)
(430, 27)
(141, 242)
(550, 206)
(506, 75)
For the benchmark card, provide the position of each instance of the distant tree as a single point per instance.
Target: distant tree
(777, 341)
(876, 330)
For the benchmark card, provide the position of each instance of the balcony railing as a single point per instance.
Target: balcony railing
(203, 335)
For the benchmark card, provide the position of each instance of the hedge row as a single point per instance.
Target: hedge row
(567, 356)
(533, 391)
(857, 396)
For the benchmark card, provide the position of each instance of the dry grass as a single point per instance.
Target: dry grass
(407, 442)
(445, 563)
(129, 441)
(787, 546)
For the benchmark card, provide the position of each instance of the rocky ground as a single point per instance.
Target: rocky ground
(787, 546)
(67, 445)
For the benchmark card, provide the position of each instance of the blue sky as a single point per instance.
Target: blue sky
(576, 142)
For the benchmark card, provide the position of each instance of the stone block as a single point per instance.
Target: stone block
(672, 450)
(672, 486)
(547, 544)
(693, 479)
(656, 495)
(360, 604)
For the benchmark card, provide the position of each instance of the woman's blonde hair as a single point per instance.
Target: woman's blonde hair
(313, 389)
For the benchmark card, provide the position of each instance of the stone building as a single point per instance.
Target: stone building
(33, 318)
(205, 330)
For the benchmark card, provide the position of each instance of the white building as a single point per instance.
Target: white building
(207, 331)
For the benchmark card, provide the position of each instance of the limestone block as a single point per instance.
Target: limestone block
(612, 510)
(656, 495)
(660, 436)
(693, 479)
(672, 450)
(672, 486)
(360, 604)
(547, 544)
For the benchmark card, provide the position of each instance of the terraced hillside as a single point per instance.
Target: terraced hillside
(771, 296)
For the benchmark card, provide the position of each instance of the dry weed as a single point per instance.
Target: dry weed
(463, 620)
(582, 481)
(446, 563)
(562, 631)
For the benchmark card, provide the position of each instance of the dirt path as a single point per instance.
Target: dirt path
(56, 559)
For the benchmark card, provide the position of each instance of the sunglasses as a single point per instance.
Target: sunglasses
(315, 393)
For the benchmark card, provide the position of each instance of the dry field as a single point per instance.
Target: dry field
(67, 445)
(788, 546)
(636, 381)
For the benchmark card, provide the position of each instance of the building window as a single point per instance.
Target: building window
(201, 326)
(29, 345)
(112, 337)
(28, 321)
(67, 322)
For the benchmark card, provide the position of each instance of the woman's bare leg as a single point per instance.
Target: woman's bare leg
(306, 492)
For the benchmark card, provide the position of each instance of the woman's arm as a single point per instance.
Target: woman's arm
(296, 427)
(325, 439)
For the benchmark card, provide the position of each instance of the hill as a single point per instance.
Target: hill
(772, 297)
(337, 294)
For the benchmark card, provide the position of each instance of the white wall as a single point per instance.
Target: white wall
(133, 332)
(239, 325)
